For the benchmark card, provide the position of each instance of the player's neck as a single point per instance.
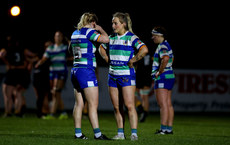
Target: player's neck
(58, 44)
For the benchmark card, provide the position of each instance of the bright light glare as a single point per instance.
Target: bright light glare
(15, 11)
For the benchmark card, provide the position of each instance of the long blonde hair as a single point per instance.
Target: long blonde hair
(86, 18)
(124, 18)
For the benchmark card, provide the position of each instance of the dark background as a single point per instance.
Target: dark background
(198, 31)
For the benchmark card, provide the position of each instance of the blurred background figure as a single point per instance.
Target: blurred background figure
(41, 80)
(143, 77)
(57, 55)
(17, 78)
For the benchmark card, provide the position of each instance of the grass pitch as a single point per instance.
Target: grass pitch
(189, 129)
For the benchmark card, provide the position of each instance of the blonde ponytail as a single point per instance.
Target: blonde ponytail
(129, 22)
(86, 18)
(124, 18)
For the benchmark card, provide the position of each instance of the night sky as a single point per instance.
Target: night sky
(198, 32)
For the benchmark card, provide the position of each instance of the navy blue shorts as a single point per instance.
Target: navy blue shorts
(16, 77)
(115, 81)
(59, 75)
(164, 84)
(83, 78)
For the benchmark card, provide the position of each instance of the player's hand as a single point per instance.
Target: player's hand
(37, 64)
(157, 74)
(97, 27)
(130, 63)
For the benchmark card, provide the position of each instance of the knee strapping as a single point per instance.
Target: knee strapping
(144, 92)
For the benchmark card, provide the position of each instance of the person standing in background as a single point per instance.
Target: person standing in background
(57, 55)
(41, 81)
(164, 78)
(144, 81)
(17, 78)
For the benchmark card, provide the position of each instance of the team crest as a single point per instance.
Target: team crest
(125, 80)
(125, 42)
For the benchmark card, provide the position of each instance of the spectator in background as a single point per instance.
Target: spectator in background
(17, 78)
(164, 78)
(57, 55)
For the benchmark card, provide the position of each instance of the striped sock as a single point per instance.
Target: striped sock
(163, 127)
(120, 131)
(169, 128)
(134, 132)
(97, 132)
(78, 132)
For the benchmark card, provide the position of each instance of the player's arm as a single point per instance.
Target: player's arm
(69, 54)
(141, 53)
(164, 62)
(30, 56)
(103, 38)
(103, 53)
(44, 58)
(2, 53)
(41, 61)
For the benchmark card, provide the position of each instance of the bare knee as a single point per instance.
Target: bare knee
(92, 106)
(117, 109)
(79, 105)
(130, 107)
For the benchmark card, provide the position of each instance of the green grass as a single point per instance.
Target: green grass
(189, 129)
